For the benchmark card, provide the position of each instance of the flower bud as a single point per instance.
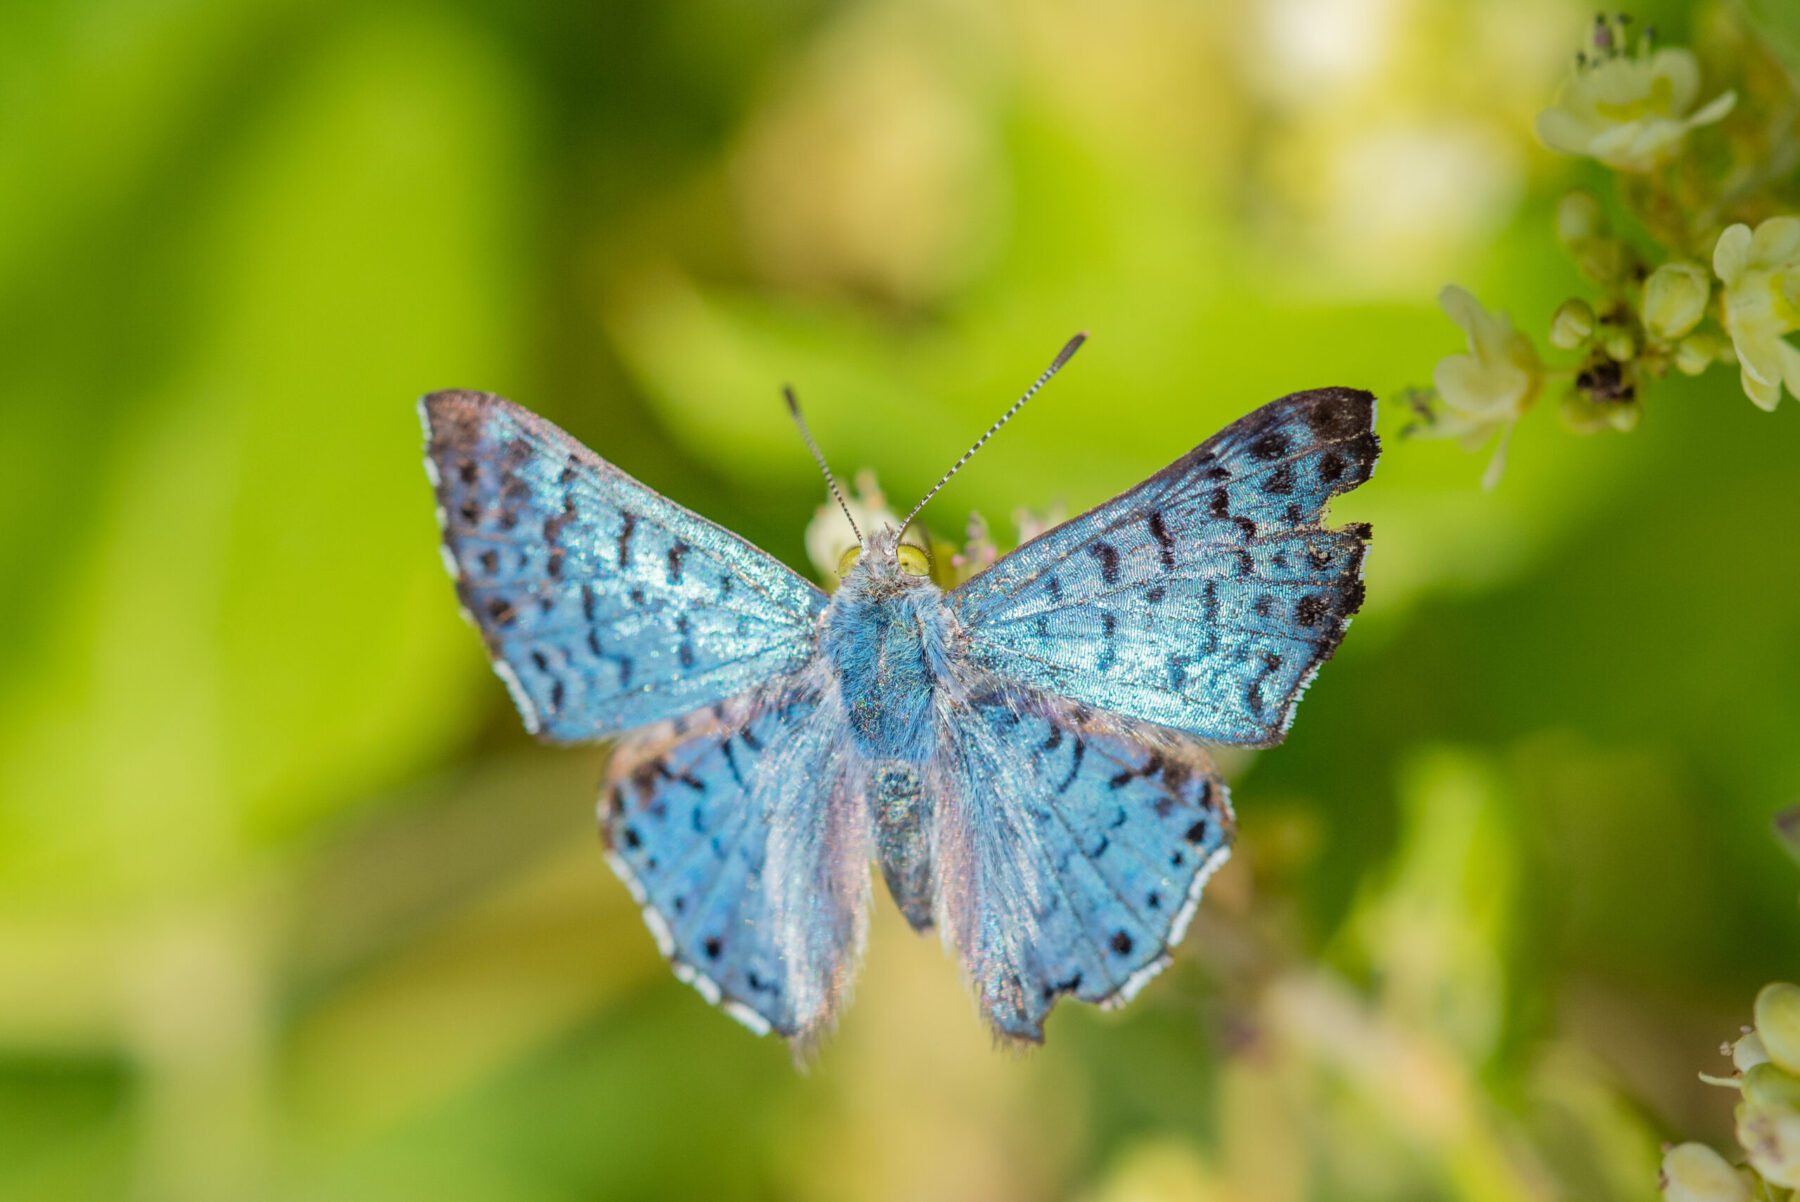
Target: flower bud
(1767, 1087)
(1696, 353)
(1571, 325)
(1579, 218)
(1675, 299)
(1695, 1173)
(1778, 1024)
(1620, 346)
(1771, 1140)
(1748, 1052)
(1602, 260)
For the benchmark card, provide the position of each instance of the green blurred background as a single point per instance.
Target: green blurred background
(290, 907)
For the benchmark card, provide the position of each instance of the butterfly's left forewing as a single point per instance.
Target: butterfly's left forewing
(604, 605)
(1203, 599)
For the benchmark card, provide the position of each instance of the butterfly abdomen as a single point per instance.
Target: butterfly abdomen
(901, 813)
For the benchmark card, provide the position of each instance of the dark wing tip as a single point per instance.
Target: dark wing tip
(1344, 418)
(453, 414)
(1336, 414)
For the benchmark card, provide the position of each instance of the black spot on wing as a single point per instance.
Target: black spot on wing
(1108, 555)
(1080, 751)
(625, 532)
(1272, 445)
(1165, 542)
(553, 525)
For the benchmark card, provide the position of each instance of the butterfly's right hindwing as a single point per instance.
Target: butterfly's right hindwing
(1203, 599)
(605, 606)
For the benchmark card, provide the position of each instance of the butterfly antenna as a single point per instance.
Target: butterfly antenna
(1056, 365)
(793, 404)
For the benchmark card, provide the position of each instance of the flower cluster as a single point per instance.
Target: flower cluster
(1706, 272)
(1767, 1063)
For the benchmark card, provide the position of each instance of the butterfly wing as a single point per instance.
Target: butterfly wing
(739, 831)
(604, 605)
(1071, 850)
(1203, 599)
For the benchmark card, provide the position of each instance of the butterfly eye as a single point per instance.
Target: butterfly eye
(913, 561)
(849, 560)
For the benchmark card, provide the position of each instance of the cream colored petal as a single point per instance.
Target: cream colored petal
(1682, 71)
(1759, 354)
(1765, 396)
(1468, 432)
(1562, 130)
(1490, 479)
(1732, 254)
(1496, 342)
(1461, 383)
(1637, 145)
(1776, 241)
(1478, 390)
(1476, 436)
(1462, 308)
(1790, 367)
(1616, 83)
(1714, 110)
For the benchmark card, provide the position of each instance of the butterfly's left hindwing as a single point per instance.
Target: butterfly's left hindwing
(1203, 599)
(1071, 850)
(604, 605)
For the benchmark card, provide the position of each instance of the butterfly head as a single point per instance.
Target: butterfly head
(883, 561)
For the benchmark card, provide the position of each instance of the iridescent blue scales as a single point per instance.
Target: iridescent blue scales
(1023, 757)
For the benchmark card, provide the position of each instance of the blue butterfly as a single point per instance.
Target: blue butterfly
(1024, 755)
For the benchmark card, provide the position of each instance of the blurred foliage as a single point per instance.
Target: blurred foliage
(290, 907)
